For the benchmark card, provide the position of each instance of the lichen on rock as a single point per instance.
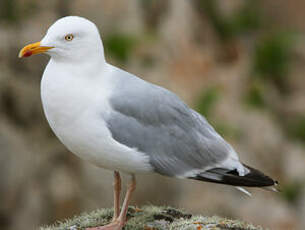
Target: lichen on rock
(153, 218)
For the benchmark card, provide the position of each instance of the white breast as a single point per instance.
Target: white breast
(74, 107)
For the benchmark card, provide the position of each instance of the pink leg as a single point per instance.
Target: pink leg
(130, 189)
(117, 192)
(118, 223)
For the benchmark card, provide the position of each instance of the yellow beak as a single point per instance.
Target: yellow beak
(31, 49)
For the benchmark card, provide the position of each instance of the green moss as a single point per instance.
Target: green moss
(254, 96)
(152, 12)
(207, 101)
(119, 46)
(247, 18)
(292, 192)
(205, 105)
(227, 131)
(272, 58)
(243, 20)
(13, 11)
(222, 26)
(296, 128)
(9, 10)
(153, 218)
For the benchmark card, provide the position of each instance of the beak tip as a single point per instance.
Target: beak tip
(24, 53)
(32, 49)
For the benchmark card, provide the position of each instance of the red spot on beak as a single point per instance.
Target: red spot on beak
(27, 53)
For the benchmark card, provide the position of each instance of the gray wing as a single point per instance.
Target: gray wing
(156, 122)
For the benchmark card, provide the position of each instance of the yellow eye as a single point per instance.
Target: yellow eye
(69, 37)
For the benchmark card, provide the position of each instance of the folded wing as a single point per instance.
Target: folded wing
(179, 141)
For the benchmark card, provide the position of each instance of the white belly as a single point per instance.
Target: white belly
(74, 109)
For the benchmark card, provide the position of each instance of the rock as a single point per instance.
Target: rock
(153, 218)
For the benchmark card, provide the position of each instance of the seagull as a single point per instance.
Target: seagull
(120, 122)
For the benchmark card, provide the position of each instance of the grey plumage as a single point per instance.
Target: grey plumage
(156, 122)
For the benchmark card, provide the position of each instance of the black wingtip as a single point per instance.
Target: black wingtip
(254, 178)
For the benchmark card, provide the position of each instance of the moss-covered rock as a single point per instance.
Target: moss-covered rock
(153, 218)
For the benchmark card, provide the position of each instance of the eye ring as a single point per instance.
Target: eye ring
(69, 37)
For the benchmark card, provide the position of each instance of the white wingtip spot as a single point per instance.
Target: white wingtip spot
(270, 188)
(244, 191)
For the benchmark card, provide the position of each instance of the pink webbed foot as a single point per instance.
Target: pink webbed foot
(119, 221)
(115, 225)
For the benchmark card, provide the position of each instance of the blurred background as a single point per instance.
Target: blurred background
(239, 63)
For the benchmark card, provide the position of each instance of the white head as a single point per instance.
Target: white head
(69, 38)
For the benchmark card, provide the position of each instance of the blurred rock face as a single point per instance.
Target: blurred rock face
(221, 59)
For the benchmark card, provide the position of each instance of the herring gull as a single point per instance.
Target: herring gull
(120, 122)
